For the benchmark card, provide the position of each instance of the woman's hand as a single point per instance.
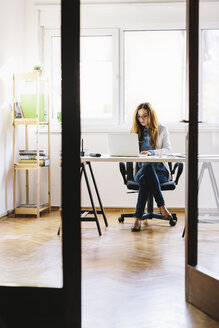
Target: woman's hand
(145, 152)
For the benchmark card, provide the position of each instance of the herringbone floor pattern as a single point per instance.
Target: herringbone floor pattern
(136, 280)
(129, 280)
(30, 251)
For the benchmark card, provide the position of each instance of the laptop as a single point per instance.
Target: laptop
(123, 144)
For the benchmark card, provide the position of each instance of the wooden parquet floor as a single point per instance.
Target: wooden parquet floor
(30, 251)
(136, 280)
(129, 280)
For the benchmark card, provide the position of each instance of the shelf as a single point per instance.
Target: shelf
(31, 76)
(30, 210)
(27, 166)
(25, 121)
(28, 121)
(19, 166)
(43, 123)
(26, 76)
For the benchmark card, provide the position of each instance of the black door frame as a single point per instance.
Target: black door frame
(59, 307)
(201, 287)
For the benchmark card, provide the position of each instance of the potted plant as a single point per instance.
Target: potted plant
(38, 67)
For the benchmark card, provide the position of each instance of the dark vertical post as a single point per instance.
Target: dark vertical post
(192, 176)
(70, 54)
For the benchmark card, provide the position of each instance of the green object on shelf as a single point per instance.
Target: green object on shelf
(59, 117)
(28, 104)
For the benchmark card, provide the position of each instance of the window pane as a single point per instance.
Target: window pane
(96, 77)
(210, 76)
(56, 76)
(155, 72)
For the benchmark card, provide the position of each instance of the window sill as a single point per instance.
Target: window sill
(172, 127)
(54, 128)
(209, 127)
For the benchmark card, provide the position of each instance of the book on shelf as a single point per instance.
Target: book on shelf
(42, 162)
(30, 206)
(42, 152)
(18, 110)
(28, 103)
(32, 157)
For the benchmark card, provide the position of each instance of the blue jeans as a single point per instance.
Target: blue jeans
(149, 180)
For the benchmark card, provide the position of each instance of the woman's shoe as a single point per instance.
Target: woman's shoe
(136, 225)
(165, 213)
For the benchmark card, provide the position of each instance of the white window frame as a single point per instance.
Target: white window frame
(204, 125)
(115, 60)
(48, 34)
(118, 60)
(48, 17)
(172, 125)
(118, 90)
(206, 23)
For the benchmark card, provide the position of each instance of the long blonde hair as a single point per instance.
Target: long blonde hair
(152, 124)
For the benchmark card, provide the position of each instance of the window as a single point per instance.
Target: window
(99, 76)
(121, 68)
(52, 65)
(96, 77)
(154, 71)
(56, 75)
(210, 76)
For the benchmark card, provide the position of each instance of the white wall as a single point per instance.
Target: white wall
(11, 60)
(34, 13)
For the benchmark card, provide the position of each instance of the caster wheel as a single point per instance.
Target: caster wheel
(173, 222)
(121, 220)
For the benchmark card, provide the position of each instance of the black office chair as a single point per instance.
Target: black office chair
(126, 170)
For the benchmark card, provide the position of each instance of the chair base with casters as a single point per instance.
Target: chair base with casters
(126, 170)
(150, 214)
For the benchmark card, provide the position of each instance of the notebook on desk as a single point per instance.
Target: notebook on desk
(123, 144)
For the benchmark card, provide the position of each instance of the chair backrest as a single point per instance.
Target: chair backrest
(126, 169)
(179, 167)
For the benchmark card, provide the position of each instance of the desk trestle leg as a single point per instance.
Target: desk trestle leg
(85, 213)
(98, 196)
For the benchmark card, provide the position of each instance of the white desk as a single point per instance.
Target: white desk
(164, 158)
(206, 161)
(206, 165)
(86, 160)
(107, 158)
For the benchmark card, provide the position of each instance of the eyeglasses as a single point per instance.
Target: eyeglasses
(143, 117)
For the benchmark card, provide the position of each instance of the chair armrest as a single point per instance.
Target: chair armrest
(123, 172)
(179, 167)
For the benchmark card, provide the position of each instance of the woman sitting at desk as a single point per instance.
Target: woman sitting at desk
(153, 140)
